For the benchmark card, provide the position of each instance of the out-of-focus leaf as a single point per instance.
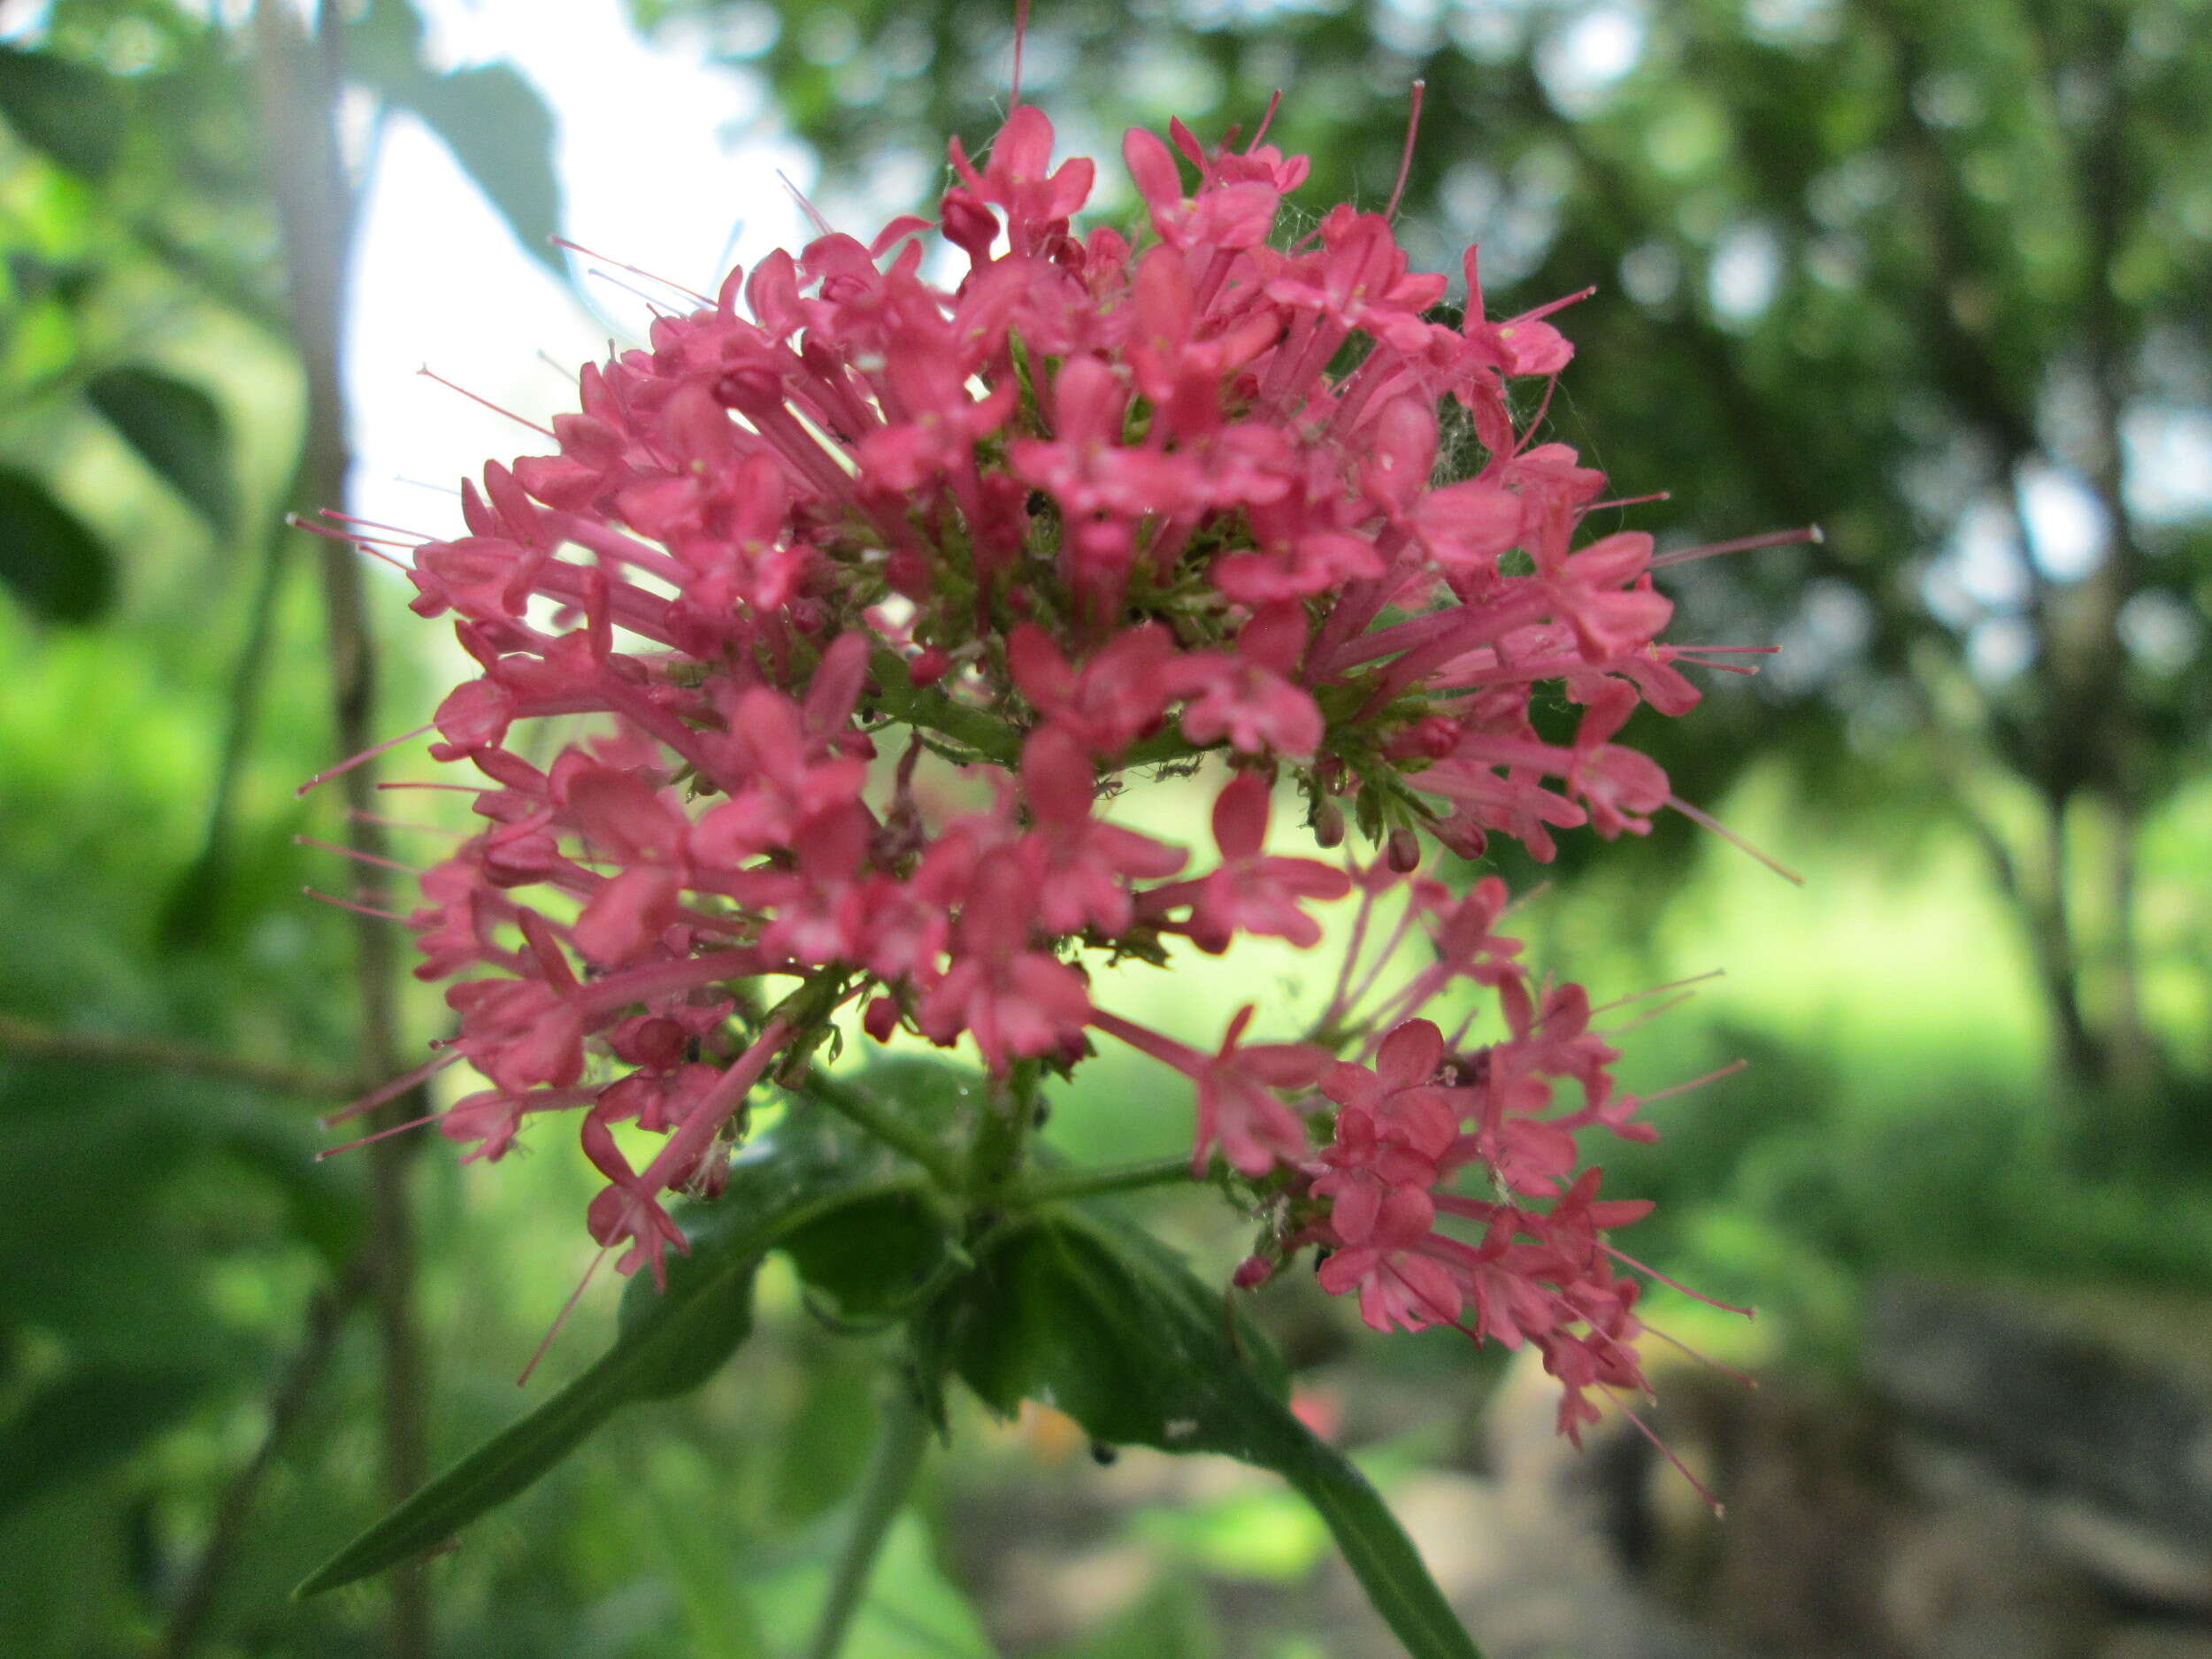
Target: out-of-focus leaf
(178, 430)
(1106, 1324)
(500, 132)
(57, 567)
(669, 1342)
(1169, 1622)
(490, 117)
(86, 1421)
(74, 113)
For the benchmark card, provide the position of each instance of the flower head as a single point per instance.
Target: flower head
(1107, 503)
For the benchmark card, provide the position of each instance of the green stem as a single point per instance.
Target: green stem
(926, 707)
(858, 1107)
(883, 1489)
(1002, 1138)
(1053, 1184)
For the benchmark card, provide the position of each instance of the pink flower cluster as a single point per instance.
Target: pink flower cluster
(842, 538)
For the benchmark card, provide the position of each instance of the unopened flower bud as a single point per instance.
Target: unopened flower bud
(1252, 1273)
(1459, 836)
(1402, 850)
(1328, 824)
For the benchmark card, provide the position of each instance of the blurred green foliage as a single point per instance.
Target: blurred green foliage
(1901, 269)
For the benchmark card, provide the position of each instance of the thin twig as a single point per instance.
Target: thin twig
(22, 1041)
(860, 1107)
(1054, 1185)
(327, 1313)
(297, 81)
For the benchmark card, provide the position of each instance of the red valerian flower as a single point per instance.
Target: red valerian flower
(877, 593)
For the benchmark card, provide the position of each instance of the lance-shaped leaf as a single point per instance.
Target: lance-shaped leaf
(1104, 1323)
(808, 1167)
(178, 430)
(55, 566)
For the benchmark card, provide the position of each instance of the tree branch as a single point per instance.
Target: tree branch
(297, 85)
(325, 1318)
(23, 1040)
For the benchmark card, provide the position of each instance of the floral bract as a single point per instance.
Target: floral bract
(842, 541)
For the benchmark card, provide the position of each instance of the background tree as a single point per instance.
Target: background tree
(1933, 277)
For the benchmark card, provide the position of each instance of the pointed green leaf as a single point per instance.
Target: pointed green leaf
(178, 430)
(1104, 1323)
(1376, 1548)
(74, 113)
(500, 132)
(57, 567)
(669, 1342)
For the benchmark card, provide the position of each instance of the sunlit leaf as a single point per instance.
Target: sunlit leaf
(178, 430)
(55, 566)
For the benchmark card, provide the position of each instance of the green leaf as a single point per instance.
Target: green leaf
(669, 1342)
(1106, 1324)
(178, 430)
(1376, 1549)
(500, 132)
(75, 114)
(57, 568)
(874, 1261)
(86, 1421)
